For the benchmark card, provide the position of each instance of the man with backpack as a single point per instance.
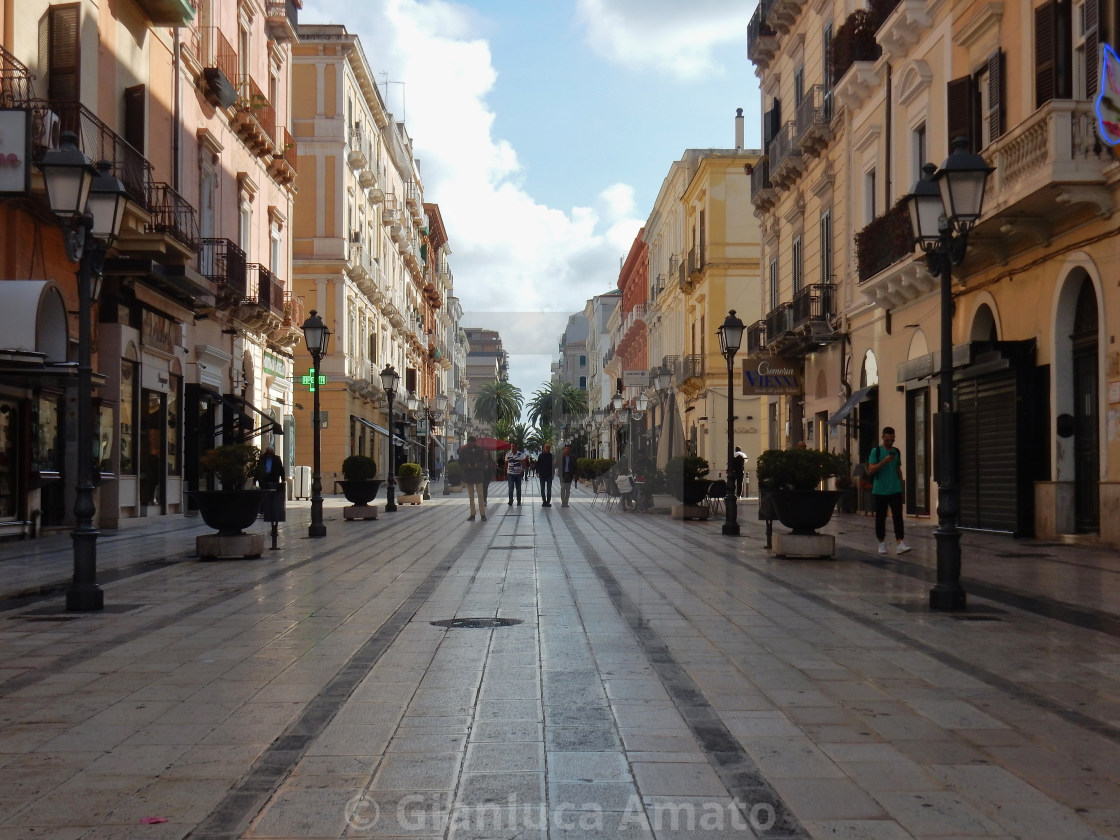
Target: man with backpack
(885, 469)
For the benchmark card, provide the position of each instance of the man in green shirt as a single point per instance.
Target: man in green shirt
(885, 467)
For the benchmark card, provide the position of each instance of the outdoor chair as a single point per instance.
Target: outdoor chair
(717, 492)
(613, 495)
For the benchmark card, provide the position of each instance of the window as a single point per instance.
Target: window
(60, 52)
(246, 226)
(976, 104)
(583, 383)
(1066, 41)
(774, 296)
(869, 196)
(583, 361)
(135, 101)
(798, 264)
(798, 85)
(826, 246)
(920, 151)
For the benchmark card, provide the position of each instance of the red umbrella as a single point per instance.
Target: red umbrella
(492, 444)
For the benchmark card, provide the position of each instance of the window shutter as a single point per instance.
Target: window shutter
(797, 265)
(1045, 60)
(63, 58)
(1092, 48)
(995, 95)
(135, 100)
(960, 102)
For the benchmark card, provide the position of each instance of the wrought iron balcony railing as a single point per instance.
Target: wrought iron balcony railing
(16, 89)
(756, 337)
(223, 263)
(692, 365)
(779, 321)
(99, 142)
(172, 214)
(265, 288)
(813, 303)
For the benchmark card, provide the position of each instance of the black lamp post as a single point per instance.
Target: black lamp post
(730, 340)
(89, 205)
(389, 381)
(630, 414)
(317, 336)
(944, 205)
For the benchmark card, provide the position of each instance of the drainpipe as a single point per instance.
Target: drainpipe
(175, 108)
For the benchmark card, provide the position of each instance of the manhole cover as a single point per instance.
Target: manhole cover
(476, 623)
(977, 618)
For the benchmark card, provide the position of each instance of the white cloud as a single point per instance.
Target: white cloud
(509, 251)
(668, 36)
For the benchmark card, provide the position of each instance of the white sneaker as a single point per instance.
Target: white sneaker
(882, 548)
(902, 547)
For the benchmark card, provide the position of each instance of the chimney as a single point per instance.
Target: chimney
(739, 129)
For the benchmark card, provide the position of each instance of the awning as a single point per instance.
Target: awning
(849, 404)
(396, 438)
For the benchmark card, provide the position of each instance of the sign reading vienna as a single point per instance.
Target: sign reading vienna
(772, 377)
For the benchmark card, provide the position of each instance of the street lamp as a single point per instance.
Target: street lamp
(316, 336)
(88, 204)
(730, 340)
(389, 381)
(944, 205)
(635, 411)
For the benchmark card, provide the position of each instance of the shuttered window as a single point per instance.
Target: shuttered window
(994, 116)
(135, 106)
(975, 105)
(60, 53)
(798, 265)
(826, 246)
(1090, 46)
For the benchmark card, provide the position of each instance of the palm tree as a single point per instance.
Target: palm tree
(519, 437)
(498, 400)
(540, 436)
(503, 429)
(557, 403)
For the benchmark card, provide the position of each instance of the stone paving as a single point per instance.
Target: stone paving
(650, 678)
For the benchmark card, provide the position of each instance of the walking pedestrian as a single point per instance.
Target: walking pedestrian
(567, 474)
(475, 466)
(270, 476)
(545, 470)
(739, 470)
(516, 461)
(884, 465)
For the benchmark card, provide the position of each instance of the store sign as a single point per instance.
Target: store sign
(635, 378)
(15, 145)
(772, 377)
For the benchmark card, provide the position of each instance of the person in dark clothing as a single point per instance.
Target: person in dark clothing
(476, 468)
(545, 470)
(567, 474)
(270, 476)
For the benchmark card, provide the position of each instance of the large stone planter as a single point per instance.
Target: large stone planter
(409, 485)
(360, 494)
(804, 511)
(229, 512)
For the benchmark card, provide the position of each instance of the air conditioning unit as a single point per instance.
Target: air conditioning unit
(48, 127)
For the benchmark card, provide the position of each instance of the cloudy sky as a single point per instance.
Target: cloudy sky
(544, 129)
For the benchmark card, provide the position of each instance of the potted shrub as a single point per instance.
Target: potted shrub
(358, 484)
(790, 480)
(233, 508)
(686, 477)
(409, 477)
(453, 473)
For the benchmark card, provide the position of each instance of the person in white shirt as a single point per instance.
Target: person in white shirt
(625, 484)
(516, 463)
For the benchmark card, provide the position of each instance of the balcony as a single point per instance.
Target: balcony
(779, 322)
(783, 14)
(355, 267)
(290, 331)
(169, 12)
(813, 303)
(763, 194)
(16, 90)
(371, 180)
(890, 273)
(691, 376)
(412, 197)
(263, 308)
(756, 338)
(172, 215)
(886, 239)
(357, 157)
(255, 118)
(389, 213)
(1050, 177)
(762, 41)
(283, 167)
(786, 161)
(814, 121)
(282, 20)
(223, 263)
(219, 66)
(100, 142)
(904, 27)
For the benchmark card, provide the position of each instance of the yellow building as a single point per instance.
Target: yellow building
(366, 258)
(854, 105)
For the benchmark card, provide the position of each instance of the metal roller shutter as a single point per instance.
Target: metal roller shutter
(989, 443)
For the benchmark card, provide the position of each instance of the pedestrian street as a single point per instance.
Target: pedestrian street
(559, 673)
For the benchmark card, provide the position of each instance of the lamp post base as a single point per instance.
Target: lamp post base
(89, 598)
(947, 599)
(948, 594)
(83, 594)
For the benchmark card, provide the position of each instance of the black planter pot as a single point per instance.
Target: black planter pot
(360, 493)
(409, 484)
(229, 512)
(690, 492)
(804, 511)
